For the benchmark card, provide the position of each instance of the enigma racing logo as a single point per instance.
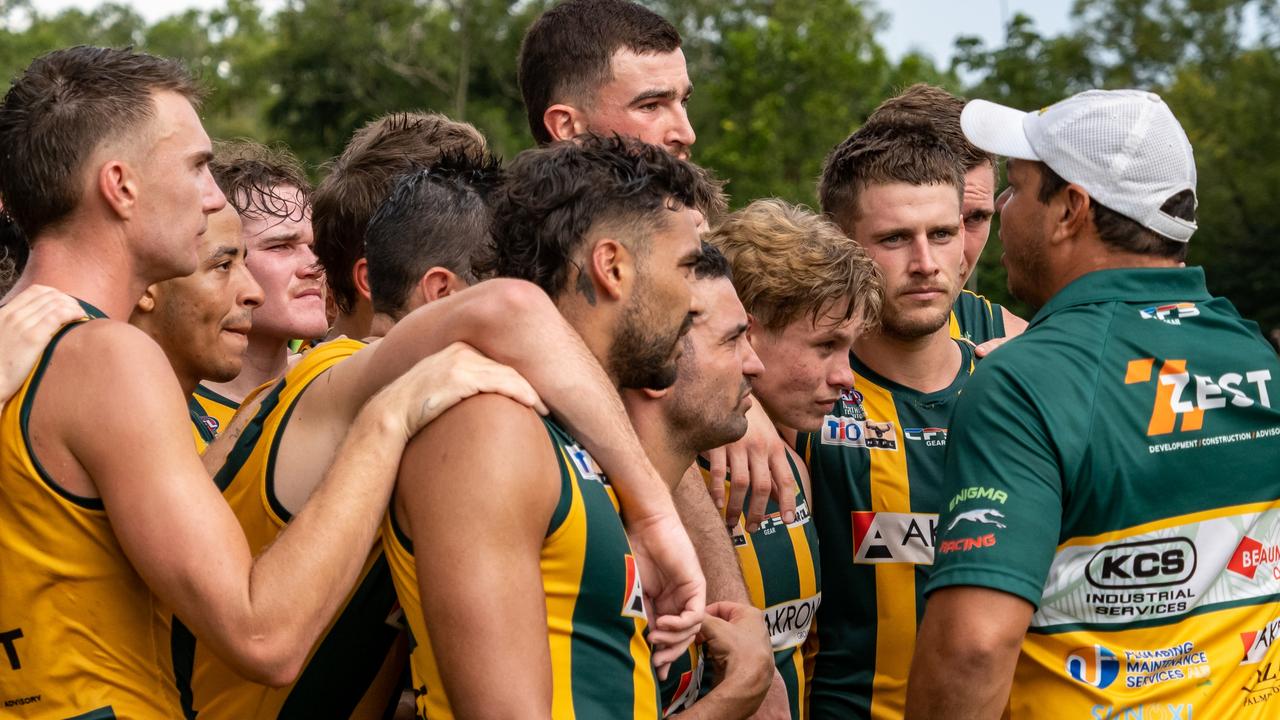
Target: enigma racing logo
(1182, 394)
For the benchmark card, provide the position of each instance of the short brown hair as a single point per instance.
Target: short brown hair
(789, 263)
(362, 177)
(567, 53)
(935, 110)
(251, 175)
(64, 106)
(882, 154)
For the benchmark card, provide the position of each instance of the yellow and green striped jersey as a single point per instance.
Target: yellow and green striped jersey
(976, 319)
(203, 427)
(601, 664)
(876, 473)
(351, 672)
(217, 409)
(81, 634)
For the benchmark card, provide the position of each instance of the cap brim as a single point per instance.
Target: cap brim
(996, 129)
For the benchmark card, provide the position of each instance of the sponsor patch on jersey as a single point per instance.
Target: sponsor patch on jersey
(843, 431)
(584, 463)
(880, 435)
(1161, 573)
(1251, 555)
(956, 545)
(211, 423)
(931, 436)
(986, 494)
(633, 605)
(1172, 314)
(788, 623)
(889, 537)
(1258, 642)
(1094, 666)
(687, 691)
(981, 516)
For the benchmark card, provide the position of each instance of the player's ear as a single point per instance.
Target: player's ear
(360, 277)
(1072, 216)
(118, 187)
(146, 303)
(437, 283)
(564, 122)
(610, 268)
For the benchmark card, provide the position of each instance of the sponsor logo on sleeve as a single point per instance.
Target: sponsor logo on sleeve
(1172, 314)
(887, 537)
(788, 623)
(966, 544)
(978, 493)
(983, 516)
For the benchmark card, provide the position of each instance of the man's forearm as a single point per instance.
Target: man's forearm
(706, 529)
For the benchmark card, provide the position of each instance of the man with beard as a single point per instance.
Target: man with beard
(270, 191)
(706, 408)
(202, 321)
(512, 565)
(877, 463)
(1110, 550)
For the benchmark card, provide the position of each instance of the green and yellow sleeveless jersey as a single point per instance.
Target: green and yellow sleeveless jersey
(351, 673)
(217, 409)
(876, 473)
(976, 319)
(601, 664)
(81, 634)
(203, 428)
(1118, 467)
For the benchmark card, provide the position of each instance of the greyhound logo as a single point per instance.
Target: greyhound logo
(986, 516)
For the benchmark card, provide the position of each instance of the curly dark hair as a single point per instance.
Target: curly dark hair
(556, 195)
(252, 176)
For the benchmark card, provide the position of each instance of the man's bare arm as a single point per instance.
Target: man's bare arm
(742, 663)
(706, 529)
(261, 615)
(966, 653)
(478, 563)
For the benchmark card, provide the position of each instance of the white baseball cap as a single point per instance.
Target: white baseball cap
(1124, 147)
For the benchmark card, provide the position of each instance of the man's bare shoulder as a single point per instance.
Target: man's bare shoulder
(503, 425)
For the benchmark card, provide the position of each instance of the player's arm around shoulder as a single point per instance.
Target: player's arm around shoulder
(476, 493)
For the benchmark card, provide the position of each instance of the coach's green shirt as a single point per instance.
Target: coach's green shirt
(876, 475)
(976, 319)
(1118, 467)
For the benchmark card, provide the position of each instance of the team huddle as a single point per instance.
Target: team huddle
(563, 437)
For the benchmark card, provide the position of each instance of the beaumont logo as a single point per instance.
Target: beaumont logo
(887, 537)
(1170, 314)
(1095, 666)
(1250, 555)
(1179, 394)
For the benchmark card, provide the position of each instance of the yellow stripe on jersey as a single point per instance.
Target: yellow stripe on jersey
(953, 326)
(895, 582)
(81, 631)
(247, 479)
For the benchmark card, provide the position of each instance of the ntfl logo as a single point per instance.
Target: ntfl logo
(1095, 665)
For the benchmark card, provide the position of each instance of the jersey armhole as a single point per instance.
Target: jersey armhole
(24, 421)
(565, 503)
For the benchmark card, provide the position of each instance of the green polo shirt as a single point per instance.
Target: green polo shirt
(1118, 467)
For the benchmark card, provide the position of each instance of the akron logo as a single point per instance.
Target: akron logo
(888, 537)
(633, 605)
(1095, 666)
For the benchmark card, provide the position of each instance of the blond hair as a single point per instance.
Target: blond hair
(789, 262)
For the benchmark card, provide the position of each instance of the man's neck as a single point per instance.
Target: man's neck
(355, 324)
(265, 360)
(925, 364)
(669, 456)
(104, 278)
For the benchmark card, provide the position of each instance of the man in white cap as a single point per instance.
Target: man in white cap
(1110, 546)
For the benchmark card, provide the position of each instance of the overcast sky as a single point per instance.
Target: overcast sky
(926, 25)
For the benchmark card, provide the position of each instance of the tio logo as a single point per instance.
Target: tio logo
(1175, 396)
(1150, 563)
(1095, 666)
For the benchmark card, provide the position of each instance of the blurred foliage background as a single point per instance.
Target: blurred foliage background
(778, 83)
